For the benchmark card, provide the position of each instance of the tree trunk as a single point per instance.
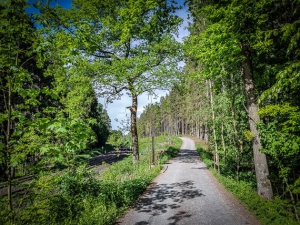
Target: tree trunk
(202, 133)
(292, 198)
(7, 150)
(196, 129)
(237, 141)
(206, 130)
(153, 150)
(186, 128)
(216, 156)
(134, 135)
(237, 167)
(223, 140)
(264, 187)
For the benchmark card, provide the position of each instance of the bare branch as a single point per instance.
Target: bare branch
(26, 61)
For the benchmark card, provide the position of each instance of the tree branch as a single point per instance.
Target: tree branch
(127, 45)
(249, 114)
(106, 55)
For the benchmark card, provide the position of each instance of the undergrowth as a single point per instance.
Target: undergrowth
(277, 211)
(77, 196)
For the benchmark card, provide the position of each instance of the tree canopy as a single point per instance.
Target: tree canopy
(125, 46)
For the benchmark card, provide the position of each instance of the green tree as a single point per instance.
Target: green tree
(128, 46)
(225, 47)
(149, 123)
(115, 138)
(18, 97)
(102, 125)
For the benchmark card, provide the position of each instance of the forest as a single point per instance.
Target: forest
(238, 93)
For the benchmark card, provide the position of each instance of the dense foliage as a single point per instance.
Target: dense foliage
(48, 113)
(80, 196)
(278, 211)
(54, 66)
(124, 47)
(240, 93)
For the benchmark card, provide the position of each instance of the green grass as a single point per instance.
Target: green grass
(77, 196)
(124, 181)
(275, 212)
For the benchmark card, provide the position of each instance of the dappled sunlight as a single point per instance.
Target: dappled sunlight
(161, 197)
(187, 156)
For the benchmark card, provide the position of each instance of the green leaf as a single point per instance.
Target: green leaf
(295, 146)
(43, 150)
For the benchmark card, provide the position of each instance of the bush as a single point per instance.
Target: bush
(75, 196)
(277, 211)
(205, 156)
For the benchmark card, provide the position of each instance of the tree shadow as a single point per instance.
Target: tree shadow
(179, 216)
(187, 156)
(160, 198)
(142, 223)
(199, 168)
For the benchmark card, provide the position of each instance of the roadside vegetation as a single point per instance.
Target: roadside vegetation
(80, 196)
(240, 95)
(277, 211)
(55, 65)
(238, 92)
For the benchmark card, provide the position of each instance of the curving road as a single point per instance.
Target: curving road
(187, 193)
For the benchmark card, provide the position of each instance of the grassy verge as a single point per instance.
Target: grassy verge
(124, 182)
(277, 211)
(77, 196)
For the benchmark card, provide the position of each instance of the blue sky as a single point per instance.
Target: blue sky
(117, 109)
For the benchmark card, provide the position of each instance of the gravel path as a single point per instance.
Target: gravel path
(187, 193)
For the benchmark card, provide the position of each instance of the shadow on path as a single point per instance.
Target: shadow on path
(187, 156)
(199, 168)
(161, 198)
(178, 216)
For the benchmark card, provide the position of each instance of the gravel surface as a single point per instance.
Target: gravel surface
(187, 193)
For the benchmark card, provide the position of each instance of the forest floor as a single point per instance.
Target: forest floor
(186, 192)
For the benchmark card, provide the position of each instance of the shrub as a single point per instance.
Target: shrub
(75, 196)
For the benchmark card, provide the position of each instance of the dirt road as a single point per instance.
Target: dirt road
(187, 193)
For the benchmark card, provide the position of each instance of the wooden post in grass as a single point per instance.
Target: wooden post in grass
(153, 150)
